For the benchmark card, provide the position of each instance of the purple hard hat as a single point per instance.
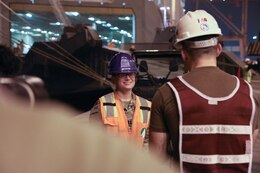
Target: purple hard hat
(122, 63)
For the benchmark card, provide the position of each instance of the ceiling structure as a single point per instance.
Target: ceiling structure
(41, 24)
(41, 14)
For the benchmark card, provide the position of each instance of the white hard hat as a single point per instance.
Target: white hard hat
(196, 24)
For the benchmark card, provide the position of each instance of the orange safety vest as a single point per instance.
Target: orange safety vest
(115, 120)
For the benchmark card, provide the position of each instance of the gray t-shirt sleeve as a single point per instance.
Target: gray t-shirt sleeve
(95, 113)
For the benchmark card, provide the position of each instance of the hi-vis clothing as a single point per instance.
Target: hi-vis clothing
(113, 116)
(215, 133)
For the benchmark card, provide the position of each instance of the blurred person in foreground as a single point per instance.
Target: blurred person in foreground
(47, 139)
(204, 118)
(122, 112)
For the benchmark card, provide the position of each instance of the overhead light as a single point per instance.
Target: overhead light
(53, 38)
(37, 30)
(91, 18)
(37, 35)
(30, 33)
(72, 13)
(100, 22)
(114, 28)
(129, 35)
(114, 40)
(124, 18)
(122, 32)
(26, 27)
(254, 37)
(27, 46)
(20, 14)
(104, 24)
(28, 14)
(56, 23)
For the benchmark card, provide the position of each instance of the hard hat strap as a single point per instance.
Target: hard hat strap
(201, 44)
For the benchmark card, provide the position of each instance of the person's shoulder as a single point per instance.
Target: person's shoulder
(107, 95)
(162, 93)
(165, 87)
(140, 97)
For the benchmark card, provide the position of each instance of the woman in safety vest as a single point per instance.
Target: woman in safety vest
(122, 112)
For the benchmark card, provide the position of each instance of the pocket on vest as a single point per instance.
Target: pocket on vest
(112, 121)
(111, 125)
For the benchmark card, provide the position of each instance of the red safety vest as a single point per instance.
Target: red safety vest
(114, 117)
(215, 133)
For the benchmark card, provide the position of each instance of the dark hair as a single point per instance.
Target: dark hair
(9, 63)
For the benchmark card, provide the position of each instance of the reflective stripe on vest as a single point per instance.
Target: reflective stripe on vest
(109, 105)
(145, 108)
(216, 129)
(216, 159)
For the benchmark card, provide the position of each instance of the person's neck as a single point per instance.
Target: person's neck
(204, 62)
(124, 96)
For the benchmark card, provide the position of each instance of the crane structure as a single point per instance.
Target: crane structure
(240, 34)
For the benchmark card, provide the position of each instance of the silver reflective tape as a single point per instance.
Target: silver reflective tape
(143, 103)
(214, 159)
(109, 108)
(216, 129)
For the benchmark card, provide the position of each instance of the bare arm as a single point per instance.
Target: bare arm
(158, 135)
(255, 134)
(158, 143)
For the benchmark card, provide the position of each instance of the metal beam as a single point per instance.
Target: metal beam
(243, 41)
